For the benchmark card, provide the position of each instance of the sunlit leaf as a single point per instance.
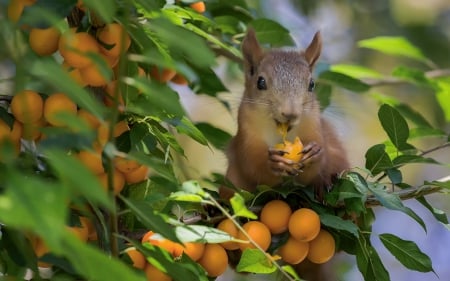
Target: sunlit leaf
(392, 45)
(270, 32)
(443, 97)
(239, 207)
(355, 71)
(253, 260)
(202, 233)
(407, 252)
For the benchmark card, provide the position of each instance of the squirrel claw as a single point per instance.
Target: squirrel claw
(310, 151)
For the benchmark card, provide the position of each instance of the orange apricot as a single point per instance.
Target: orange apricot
(259, 233)
(304, 224)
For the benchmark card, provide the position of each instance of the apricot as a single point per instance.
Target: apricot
(275, 215)
(304, 224)
(292, 150)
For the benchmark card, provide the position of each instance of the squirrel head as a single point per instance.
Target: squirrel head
(280, 80)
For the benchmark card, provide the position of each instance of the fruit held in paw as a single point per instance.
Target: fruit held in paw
(292, 150)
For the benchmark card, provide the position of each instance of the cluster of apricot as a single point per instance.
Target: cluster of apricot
(32, 113)
(212, 257)
(306, 237)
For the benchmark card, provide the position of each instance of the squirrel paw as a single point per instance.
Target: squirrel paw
(310, 154)
(281, 166)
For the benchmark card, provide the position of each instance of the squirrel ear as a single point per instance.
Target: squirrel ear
(251, 50)
(312, 53)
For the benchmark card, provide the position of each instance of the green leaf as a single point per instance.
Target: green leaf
(343, 189)
(77, 177)
(159, 167)
(413, 115)
(338, 223)
(186, 127)
(156, 99)
(170, 34)
(94, 264)
(186, 197)
(443, 98)
(408, 159)
(151, 219)
(141, 139)
(104, 9)
(289, 269)
(421, 132)
(47, 70)
(271, 32)
(377, 160)
(202, 233)
(6, 117)
(19, 207)
(160, 258)
(323, 92)
(208, 82)
(394, 125)
(439, 215)
(395, 175)
(398, 46)
(355, 71)
(217, 137)
(393, 202)
(254, 261)
(413, 75)
(344, 81)
(407, 253)
(239, 207)
(443, 184)
(45, 13)
(369, 262)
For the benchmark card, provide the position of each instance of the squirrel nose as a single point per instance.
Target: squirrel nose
(289, 116)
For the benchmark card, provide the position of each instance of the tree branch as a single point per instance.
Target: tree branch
(405, 194)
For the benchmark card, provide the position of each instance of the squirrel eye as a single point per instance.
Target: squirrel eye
(311, 85)
(261, 84)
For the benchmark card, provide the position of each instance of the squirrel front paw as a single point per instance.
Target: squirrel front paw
(282, 166)
(311, 153)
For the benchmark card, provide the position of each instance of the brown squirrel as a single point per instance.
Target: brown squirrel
(279, 90)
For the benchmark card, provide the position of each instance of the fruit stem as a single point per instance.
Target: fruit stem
(240, 228)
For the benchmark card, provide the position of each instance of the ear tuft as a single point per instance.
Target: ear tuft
(251, 51)
(312, 53)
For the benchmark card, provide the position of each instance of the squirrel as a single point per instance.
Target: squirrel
(279, 91)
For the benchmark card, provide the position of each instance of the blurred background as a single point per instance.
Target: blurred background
(342, 24)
